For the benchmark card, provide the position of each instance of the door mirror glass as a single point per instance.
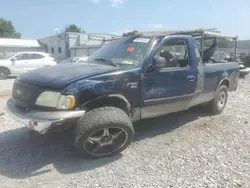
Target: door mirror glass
(159, 62)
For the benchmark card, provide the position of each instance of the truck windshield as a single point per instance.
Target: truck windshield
(123, 52)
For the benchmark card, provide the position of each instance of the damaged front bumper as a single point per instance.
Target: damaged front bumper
(40, 121)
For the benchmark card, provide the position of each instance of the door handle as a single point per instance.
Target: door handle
(191, 78)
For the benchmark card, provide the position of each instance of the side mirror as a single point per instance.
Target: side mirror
(159, 62)
(13, 59)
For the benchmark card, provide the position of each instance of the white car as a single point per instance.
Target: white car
(22, 62)
(74, 60)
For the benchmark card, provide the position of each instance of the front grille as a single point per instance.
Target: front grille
(25, 94)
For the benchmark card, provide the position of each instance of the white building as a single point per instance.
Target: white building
(60, 46)
(71, 44)
(10, 46)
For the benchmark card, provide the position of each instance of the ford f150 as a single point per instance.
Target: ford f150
(127, 80)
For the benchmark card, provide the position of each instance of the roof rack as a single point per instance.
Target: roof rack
(197, 33)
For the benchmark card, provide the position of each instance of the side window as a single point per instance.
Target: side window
(175, 51)
(36, 56)
(24, 56)
(59, 47)
(52, 47)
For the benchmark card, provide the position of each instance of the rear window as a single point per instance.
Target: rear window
(36, 56)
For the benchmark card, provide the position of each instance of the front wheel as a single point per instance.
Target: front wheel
(4, 73)
(103, 132)
(218, 104)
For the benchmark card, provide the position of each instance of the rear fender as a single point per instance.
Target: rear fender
(225, 81)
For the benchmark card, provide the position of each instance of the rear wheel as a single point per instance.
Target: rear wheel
(4, 73)
(103, 132)
(218, 104)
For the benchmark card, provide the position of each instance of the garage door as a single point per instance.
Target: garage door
(81, 52)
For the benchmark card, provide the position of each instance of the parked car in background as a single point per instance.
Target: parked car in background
(22, 62)
(74, 60)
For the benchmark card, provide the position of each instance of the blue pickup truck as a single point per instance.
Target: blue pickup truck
(127, 80)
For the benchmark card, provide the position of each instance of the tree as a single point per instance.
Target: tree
(208, 42)
(7, 29)
(74, 28)
(130, 33)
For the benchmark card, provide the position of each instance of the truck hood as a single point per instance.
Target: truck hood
(59, 76)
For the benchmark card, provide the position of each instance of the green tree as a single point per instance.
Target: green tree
(208, 42)
(130, 33)
(74, 28)
(7, 30)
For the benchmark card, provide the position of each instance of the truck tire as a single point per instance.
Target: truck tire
(218, 104)
(103, 132)
(4, 73)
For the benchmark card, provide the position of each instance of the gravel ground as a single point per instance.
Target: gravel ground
(188, 149)
(6, 87)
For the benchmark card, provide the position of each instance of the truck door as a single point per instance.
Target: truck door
(169, 89)
(199, 96)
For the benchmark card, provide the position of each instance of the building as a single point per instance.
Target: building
(69, 44)
(10, 46)
(60, 46)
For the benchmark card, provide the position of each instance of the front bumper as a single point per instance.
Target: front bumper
(40, 121)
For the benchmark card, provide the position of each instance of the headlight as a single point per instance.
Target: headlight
(55, 100)
(66, 102)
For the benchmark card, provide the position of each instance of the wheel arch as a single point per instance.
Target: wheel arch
(224, 81)
(115, 100)
(5, 68)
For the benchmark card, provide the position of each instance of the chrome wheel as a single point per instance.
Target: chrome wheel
(105, 141)
(221, 100)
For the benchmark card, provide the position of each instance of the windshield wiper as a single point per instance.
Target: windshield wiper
(110, 62)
